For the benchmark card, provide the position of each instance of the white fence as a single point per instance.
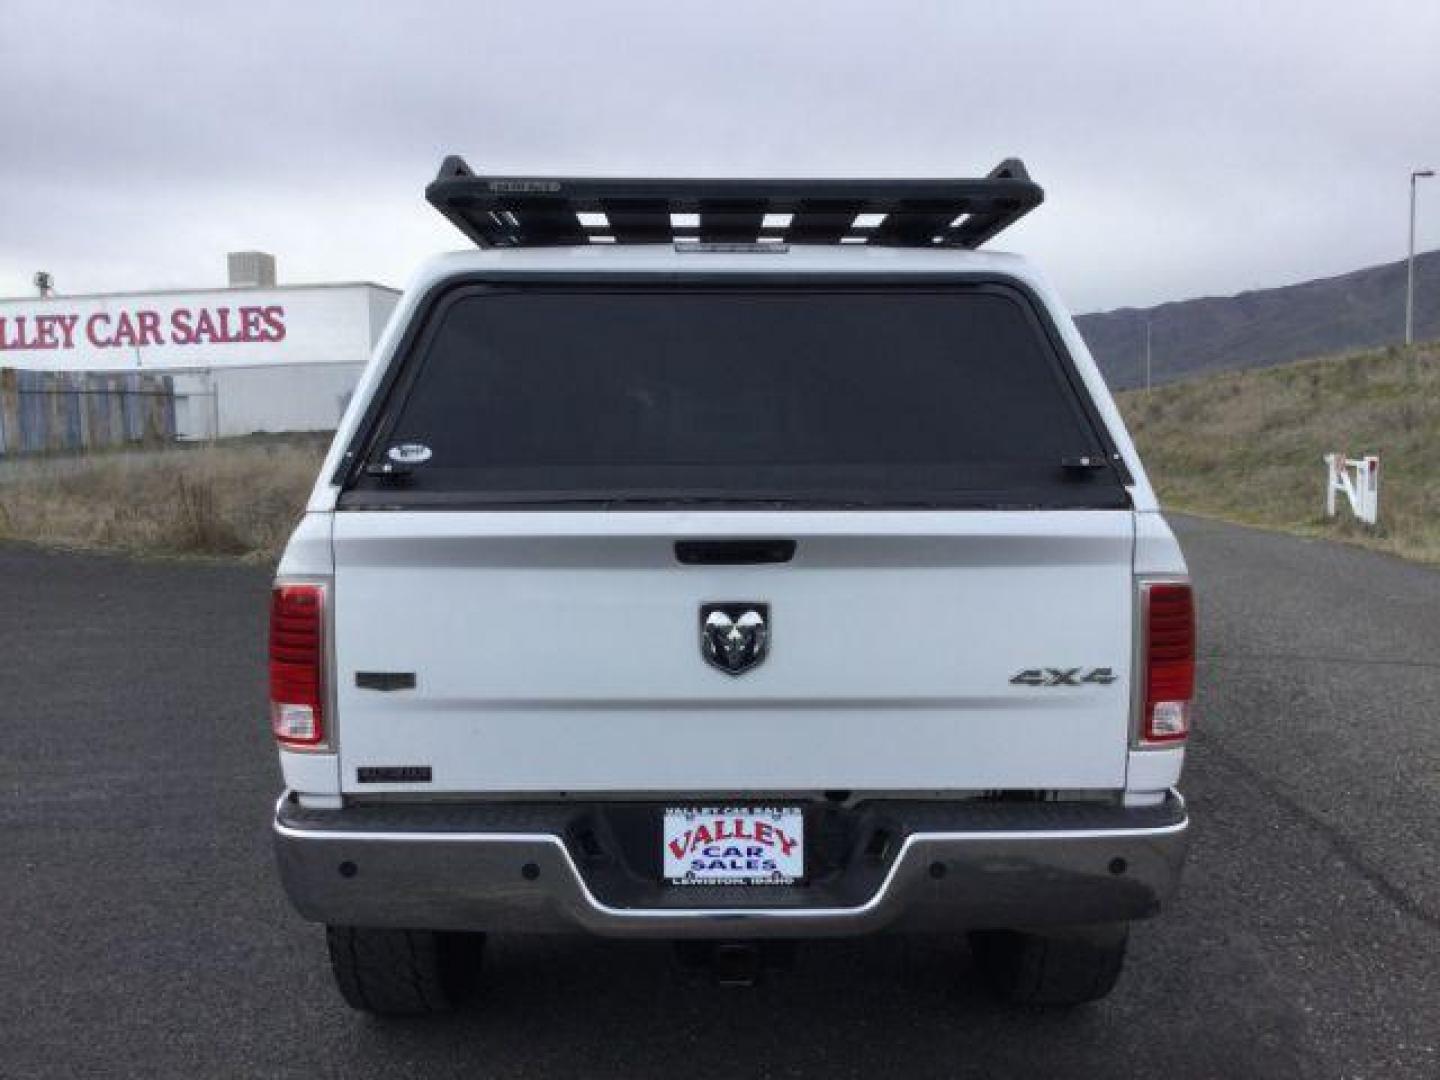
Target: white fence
(1359, 480)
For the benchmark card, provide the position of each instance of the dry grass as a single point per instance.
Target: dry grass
(239, 498)
(1247, 446)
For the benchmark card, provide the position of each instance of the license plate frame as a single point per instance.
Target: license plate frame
(732, 845)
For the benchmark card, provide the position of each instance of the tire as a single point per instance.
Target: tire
(403, 972)
(1062, 967)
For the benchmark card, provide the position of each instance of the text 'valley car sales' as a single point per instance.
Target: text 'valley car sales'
(144, 327)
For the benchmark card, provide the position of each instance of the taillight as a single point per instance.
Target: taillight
(1169, 661)
(297, 664)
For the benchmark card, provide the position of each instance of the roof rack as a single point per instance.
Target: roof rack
(522, 211)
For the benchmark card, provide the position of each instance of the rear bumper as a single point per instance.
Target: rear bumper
(898, 866)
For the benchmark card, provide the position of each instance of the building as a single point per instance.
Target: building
(254, 356)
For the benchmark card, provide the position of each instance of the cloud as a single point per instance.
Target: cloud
(1185, 147)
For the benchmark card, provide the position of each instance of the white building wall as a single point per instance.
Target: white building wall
(382, 306)
(245, 401)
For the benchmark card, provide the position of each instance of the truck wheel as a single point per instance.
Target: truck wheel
(403, 972)
(1061, 967)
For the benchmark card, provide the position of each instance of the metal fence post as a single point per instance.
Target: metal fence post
(1370, 467)
(1330, 485)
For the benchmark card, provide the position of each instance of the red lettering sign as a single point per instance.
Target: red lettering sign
(145, 328)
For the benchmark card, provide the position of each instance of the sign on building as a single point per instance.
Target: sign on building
(198, 330)
(240, 360)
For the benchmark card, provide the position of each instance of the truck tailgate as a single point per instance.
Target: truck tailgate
(560, 651)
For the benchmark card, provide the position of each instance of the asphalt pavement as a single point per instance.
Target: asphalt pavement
(145, 934)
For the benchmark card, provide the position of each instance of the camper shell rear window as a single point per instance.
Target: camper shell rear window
(655, 395)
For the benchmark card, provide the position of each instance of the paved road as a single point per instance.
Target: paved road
(144, 933)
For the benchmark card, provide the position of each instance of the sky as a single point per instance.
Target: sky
(1188, 148)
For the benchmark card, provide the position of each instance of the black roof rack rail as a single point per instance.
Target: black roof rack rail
(522, 211)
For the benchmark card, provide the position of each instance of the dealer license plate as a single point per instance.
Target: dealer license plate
(734, 845)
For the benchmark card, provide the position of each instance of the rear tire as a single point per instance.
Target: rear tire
(403, 972)
(1061, 967)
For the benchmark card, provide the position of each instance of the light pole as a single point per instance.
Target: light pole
(1418, 174)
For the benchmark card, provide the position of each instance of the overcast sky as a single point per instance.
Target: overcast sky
(1186, 148)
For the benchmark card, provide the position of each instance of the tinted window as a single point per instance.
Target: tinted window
(950, 396)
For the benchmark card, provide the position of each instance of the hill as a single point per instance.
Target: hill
(1247, 445)
(1364, 309)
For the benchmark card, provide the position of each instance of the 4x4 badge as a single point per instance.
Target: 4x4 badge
(734, 637)
(1051, 676)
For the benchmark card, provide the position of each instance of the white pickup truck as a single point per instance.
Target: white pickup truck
(730, 562)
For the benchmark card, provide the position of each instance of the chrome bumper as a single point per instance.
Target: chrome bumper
(952, 866)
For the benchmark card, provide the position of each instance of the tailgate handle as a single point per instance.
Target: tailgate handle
(733, 552)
